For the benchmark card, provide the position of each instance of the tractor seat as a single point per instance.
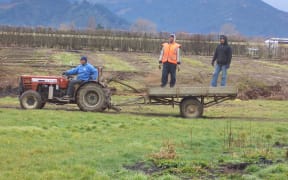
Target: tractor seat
(77, 85)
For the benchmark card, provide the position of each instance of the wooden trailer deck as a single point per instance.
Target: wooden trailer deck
(192, 91)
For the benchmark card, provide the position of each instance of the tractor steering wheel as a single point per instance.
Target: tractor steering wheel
(69, 77)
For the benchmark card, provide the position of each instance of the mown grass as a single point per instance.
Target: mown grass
(275, 65)
(66, 58)
(193, 63)
(57, 144)
(114, 63)
(9, 101)
(151, 61)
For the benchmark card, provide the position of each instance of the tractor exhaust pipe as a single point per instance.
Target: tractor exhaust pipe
(50, 93)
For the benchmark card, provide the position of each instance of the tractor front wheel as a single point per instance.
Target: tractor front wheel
(30, 100)
(91, 97)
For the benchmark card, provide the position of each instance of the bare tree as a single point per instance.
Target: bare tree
(67, 27)
(64, 27)
(91, 25)
(229, 29)
(143, 25)
(72, 25)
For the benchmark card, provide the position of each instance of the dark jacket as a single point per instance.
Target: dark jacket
(223, 53)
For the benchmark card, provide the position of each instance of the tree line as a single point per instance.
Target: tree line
(126, 41)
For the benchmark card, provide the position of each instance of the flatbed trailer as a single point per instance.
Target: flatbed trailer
(191, 100)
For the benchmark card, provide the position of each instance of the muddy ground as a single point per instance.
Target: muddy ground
(150, 168)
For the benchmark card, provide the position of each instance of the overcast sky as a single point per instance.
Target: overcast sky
(280, 4)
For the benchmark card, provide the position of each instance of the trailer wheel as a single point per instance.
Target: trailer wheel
(191, 108)
(91, 97)
(30, 100)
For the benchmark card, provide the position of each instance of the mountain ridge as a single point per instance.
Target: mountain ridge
(250, 18)
(54, 13)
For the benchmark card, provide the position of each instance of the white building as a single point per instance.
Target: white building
(273, 45)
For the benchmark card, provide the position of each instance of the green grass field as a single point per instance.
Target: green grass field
(55, 143)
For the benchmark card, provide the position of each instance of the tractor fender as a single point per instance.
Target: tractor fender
(89, 82)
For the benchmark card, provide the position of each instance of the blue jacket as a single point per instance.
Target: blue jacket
(84, 72)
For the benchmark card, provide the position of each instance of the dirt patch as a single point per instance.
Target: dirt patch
(147, 168)
(239, 168)
(231, 168)
(123, 76)
(275, 92)
(264, 161)
(280, 145)
(188, 172)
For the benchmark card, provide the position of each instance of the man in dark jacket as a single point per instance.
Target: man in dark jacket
(223, 57)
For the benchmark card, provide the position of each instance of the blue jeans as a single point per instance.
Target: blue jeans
(218, 69)
(168, 68)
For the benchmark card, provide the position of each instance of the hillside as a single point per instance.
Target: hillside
(252, 18)
(57, 12)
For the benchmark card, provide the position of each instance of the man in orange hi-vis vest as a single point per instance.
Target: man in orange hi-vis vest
(170, 60)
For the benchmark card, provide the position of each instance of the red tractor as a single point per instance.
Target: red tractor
(36, 91)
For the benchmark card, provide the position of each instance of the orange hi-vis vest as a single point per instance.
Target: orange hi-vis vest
(170, 52)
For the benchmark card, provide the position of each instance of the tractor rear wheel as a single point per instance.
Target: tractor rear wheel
(191, 108)
(30, 100)
(91, 97)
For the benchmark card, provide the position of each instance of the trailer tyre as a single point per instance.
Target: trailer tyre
(191, 108)
(91, 97)
(30, 100)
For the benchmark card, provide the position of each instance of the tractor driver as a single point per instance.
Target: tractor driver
(84, 72)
